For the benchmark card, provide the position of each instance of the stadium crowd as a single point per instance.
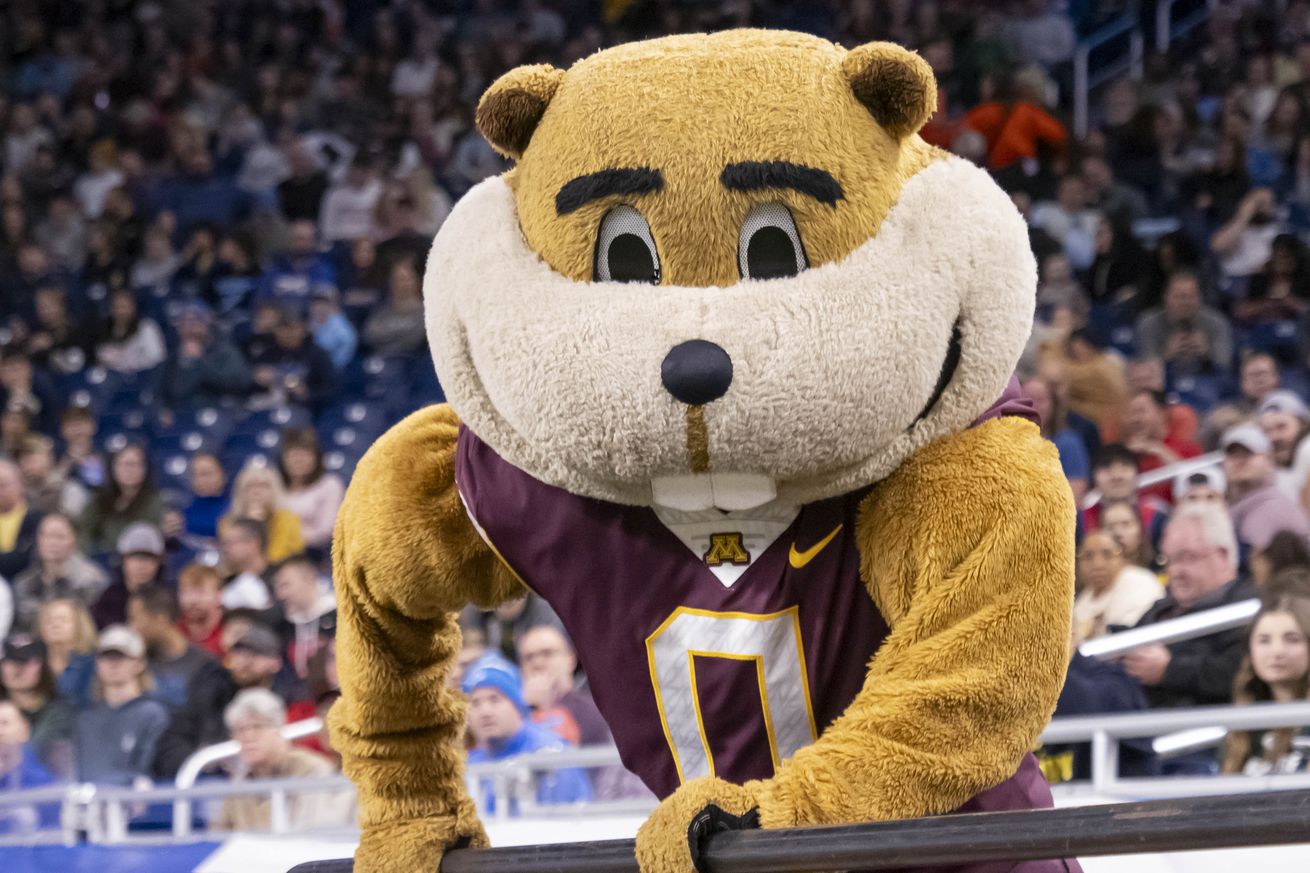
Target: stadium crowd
(213, 218)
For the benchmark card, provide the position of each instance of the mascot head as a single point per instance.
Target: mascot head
(724, 271)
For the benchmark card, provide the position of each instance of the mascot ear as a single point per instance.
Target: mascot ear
(512, 107)
(894, 84)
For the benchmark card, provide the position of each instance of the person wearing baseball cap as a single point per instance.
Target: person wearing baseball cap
(114, 739)
(140, 552)
(1200, 486)
(498, 720)
(1259, 508)
(1285, 419)
(27, 680)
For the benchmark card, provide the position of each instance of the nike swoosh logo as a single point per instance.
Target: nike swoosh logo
(800, 559)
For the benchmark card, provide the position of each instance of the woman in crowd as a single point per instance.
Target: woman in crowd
(1281, 291)
(1112, 592)
(1121, 520)
(127, 498)
(1286, 550)
(25, 678)
(1055, 427)
(60, 570)
(115, 736)
(209, 501)
(128, 342)
(259, 494)
(313, 493)
(65, 627)
(396, 328)
(1277, 669)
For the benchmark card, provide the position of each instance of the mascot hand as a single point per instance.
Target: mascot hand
(418, 844)
(673, 838)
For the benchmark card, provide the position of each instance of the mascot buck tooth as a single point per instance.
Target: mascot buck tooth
(728, 354)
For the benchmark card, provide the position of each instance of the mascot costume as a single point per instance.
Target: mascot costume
(728, 355)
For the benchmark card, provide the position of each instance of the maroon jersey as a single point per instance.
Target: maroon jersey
(694, 676)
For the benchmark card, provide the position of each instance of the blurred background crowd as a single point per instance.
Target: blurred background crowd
(213, 221)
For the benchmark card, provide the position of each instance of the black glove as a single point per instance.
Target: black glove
(713, 820)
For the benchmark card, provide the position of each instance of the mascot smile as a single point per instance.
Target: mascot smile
(728, 356)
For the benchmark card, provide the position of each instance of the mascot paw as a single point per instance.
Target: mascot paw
(673, 838)
(407, 846)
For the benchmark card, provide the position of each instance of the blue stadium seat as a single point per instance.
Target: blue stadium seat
(1202, 392)
(1278, 338)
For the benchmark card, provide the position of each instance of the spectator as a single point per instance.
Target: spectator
(396, 329)
(1095, 378)
(102, 176)
(1277, 670)
(1119, 266)
(1147, 434)
(348, 206)
(18, 523)
(500, 729)
(1018, 128)
(65, 627)
(175, 662)
(550, 686)
(1119, 202)
(20, 769)
(293, 369)
(25, 678)
(129, 497)
(139, 563)
(129, 343)
(15, 430)
(255, 718)
(1200, 554)
(1203, 486)
(1070, 221)
(1123, 520)
(1188, 335)
(1281, 290)
(80, 460)
(236, 276)
(205, 368)
(312, 493)
(59, 571)
(200, 601)
(1258, 378)
(49, 489)
(1114, 593)
(243, 547)
(21, 387)
(301, 194)
(1245, 242)
(1114, 475)
(332, 331)
(309, 609)
(153, 271)
(1054, 418)
(209, 498)
(1285, 551)
(1259, 507)
(293, 278)
(115, 737)
(63, 231)
(1285, 420)
(260, 495)
(404, 240)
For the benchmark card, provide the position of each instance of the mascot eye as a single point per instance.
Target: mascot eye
(770, 246)
(625, 249)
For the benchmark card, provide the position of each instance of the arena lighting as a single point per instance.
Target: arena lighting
(1184, 824)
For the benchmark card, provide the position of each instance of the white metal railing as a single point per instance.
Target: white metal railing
(199, 760)
(1165, 474)
(1188, 627)
(1084, 80)
(1167, 30)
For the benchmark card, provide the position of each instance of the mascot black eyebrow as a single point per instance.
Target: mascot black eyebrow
(728, 355)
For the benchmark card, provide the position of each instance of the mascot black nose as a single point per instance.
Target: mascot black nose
(696, 372)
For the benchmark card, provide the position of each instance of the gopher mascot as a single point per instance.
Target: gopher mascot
(728, 354)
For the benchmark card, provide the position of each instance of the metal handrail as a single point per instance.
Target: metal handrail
(1164, 474)
(1276, 818)
(1082, 78)
(196, 763)
(1166, 31)
(1175, 630)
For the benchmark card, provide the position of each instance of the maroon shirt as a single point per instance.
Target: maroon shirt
(695, 678)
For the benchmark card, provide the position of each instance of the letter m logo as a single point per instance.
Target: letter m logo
(727, 548)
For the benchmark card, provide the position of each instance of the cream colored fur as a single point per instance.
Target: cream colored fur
(831, 367)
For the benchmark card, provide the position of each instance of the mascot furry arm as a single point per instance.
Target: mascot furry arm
(956, 525)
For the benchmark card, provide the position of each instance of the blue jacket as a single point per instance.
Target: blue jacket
(28, 774)
(568, 785)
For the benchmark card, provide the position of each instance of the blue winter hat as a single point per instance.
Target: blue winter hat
(493, 671)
